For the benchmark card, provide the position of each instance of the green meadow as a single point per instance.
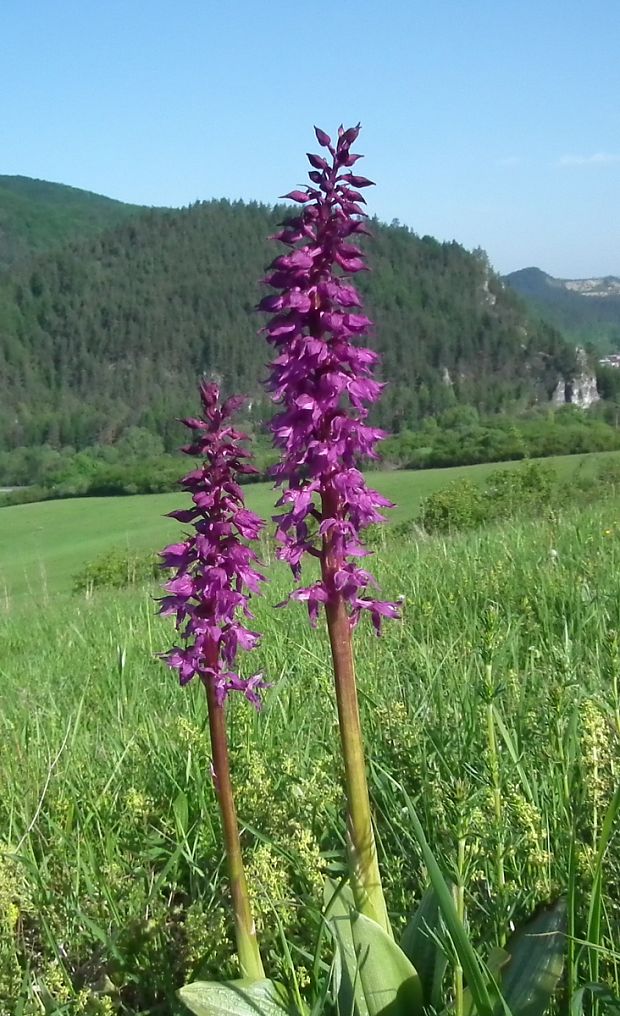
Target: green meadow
(43, 545)
(494, 704)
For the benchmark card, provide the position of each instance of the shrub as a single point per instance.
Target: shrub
(530, 489)
(117, 568)
(458, 506)
(23, 495)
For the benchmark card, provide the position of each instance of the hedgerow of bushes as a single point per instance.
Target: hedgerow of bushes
(531, 489)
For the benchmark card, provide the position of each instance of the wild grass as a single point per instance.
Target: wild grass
(494, 706)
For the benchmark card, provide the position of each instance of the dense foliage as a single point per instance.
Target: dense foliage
(532, 489)
(138, 464)
(112, 332)
(461, 436)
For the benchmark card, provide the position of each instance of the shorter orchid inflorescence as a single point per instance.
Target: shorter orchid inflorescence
(214, 576)
(214, 567)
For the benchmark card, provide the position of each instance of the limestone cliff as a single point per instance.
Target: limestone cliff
(579, 390)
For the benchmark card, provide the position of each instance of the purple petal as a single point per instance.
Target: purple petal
(358, 181)
(296, 195)
(317, 160)
(322, 138)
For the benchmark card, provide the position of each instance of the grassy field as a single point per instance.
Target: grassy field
(43, 545)
(112, 887)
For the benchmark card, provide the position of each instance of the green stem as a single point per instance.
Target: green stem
(497, 807)
(571, 964)
(245, 929)
(564, 767)
(459, 998)
(595, 793)
(363, 862)
(616, 701)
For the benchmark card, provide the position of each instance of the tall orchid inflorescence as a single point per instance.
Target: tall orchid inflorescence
(214, 566)
(323, 380)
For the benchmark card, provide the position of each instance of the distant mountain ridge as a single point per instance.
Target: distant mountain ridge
(37, 216)
(607, 286)
(587, 310)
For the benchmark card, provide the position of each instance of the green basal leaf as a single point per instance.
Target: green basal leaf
(236, 998)
(338, 908)
(389, 980)
(420, 946)
(536, 959)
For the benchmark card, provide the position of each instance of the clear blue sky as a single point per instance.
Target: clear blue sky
(493, 122)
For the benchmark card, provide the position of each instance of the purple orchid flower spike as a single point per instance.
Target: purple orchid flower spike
(323, 380)
(214, 567)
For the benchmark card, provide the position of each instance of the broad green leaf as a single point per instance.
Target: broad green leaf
(338, 908)
(389, 980)
(420, 946)
(536, 958)
(236, 998)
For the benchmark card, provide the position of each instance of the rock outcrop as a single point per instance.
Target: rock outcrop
(580, 390)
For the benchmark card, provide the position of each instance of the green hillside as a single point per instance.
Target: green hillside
(586, 310)
(114, 332)
(37, 216)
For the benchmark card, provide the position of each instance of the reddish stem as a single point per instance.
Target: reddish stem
(245, 929)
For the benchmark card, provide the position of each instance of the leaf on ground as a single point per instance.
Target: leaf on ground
(236, 998)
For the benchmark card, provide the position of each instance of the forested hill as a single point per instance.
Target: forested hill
(37, 216)
(586, 310)
(115, 331)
